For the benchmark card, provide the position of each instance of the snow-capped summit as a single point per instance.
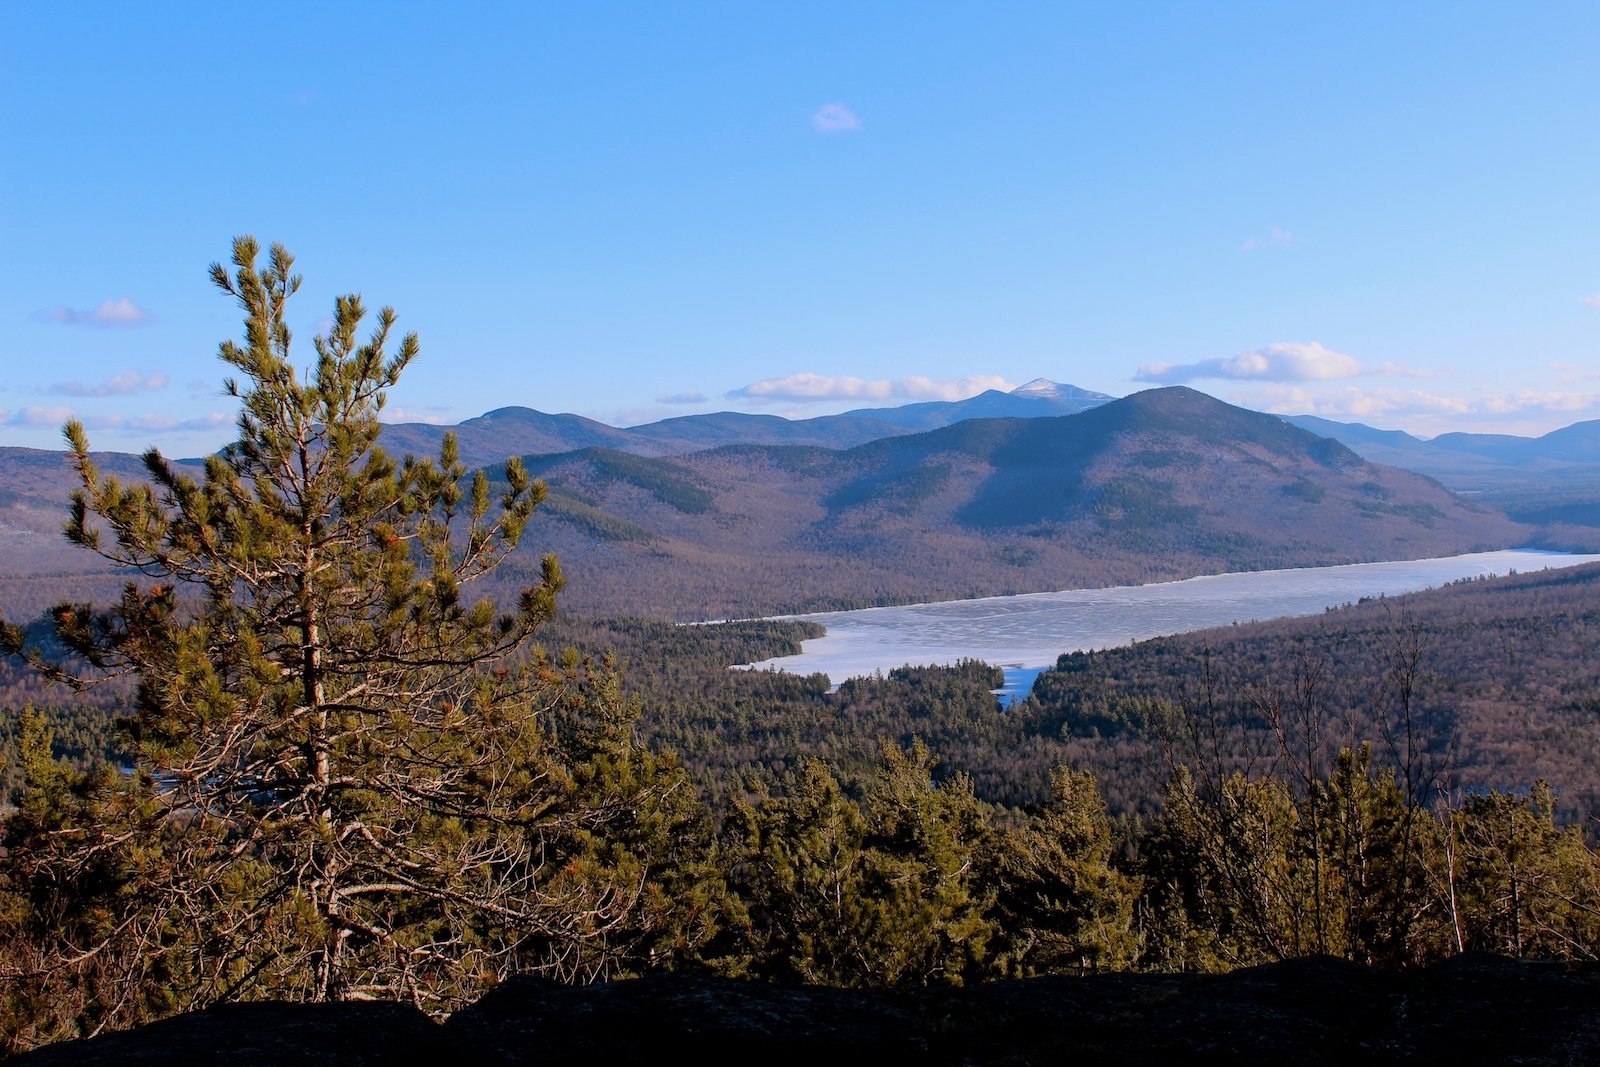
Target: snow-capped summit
(1039, 387)
(1045, 389)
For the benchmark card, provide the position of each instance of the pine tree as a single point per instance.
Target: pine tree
(928, 842)
(1523, 885)
(881, 893)
(1064, 907)
(800, 871)
(1372, 879)
(361, 785)
(1222, 884)
(73, 926)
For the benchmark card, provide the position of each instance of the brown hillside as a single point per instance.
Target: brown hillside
(1163, 484)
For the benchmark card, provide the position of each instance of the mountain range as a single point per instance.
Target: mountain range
(1162, 484)
(524, 431)
(1463, 461)
(1469, 460)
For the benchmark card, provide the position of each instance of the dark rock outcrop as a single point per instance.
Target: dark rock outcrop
(1474, 1009)
(313, 1035)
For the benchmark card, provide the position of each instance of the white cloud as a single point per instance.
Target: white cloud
(120, 384)
(919, 388)
(809, 388)
(1593, 301)
(55, 416)
(1527, 412)
(1525, 400)
(1351, 402)
(159, 423)
(690, 397)
(427, 415)
(40, 416)
(120, 312)
(1277, 238)
(835, 118)
(1291, 361)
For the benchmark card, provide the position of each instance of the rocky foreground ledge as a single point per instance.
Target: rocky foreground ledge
(1473, 1009)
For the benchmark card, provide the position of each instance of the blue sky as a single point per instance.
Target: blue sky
(1376, 212)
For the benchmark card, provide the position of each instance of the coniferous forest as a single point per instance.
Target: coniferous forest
(300, 757)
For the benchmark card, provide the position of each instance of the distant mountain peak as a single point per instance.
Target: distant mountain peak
(1045, 389)
(1042, 387)
(512, 412)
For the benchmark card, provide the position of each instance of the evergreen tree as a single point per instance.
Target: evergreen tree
(1520, 884)
(1063, 906)
(1374, 904)
(1220, 874)
(360, 786)
(800, 870)
(639, 823)
(929, 886)
(73, 923)
(884, 892)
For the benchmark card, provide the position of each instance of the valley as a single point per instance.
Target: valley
(1156, 487)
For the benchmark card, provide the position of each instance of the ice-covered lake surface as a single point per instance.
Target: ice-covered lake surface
(1024, 634)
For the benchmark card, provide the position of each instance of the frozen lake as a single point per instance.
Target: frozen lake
(1024, 634)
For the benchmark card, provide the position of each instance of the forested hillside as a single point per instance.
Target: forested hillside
(1496, 679)
(1164, 484)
